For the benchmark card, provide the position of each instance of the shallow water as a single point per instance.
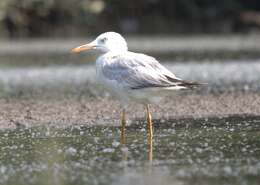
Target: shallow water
(187, 151)
(220, 76)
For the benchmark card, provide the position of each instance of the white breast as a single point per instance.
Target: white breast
(111, 85)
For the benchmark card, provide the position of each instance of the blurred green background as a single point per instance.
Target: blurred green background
(63, 18)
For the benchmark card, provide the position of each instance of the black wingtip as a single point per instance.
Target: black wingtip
(184, 83)
(190, 84)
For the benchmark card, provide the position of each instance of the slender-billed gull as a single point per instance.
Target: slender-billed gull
(131, 76)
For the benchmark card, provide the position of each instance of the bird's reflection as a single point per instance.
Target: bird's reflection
(125, 151)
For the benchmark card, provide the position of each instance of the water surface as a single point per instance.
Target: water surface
(187, 151)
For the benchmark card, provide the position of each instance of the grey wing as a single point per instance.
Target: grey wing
(137, 71)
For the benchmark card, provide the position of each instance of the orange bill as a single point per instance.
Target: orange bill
(82, 48)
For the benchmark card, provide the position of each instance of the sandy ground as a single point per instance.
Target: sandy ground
(60, 112)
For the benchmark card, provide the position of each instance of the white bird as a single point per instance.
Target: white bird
(131, 76)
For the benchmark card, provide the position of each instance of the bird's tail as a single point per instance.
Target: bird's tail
(185, 84)
(190, 84)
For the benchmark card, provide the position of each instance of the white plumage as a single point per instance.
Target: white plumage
(131, 76)
(134, 76)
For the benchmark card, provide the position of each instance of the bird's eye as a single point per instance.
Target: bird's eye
(103, 40)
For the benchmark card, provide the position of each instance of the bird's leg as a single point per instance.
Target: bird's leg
(149, 124)
(123, 123)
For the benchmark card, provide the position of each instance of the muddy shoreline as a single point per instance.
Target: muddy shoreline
(90, 111)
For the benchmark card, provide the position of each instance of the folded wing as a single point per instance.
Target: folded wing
(138, 71)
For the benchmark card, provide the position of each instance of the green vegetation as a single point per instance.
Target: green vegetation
(31, 18)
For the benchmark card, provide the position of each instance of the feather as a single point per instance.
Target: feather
(137, 71)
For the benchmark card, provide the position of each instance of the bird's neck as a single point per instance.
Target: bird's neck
(109, 54)
(114, 52)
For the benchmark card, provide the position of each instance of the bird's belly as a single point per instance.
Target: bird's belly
(143, 96)
(114, 88)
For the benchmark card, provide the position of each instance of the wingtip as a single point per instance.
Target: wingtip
(192, 85)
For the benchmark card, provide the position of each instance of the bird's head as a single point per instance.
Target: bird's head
(109, 41)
